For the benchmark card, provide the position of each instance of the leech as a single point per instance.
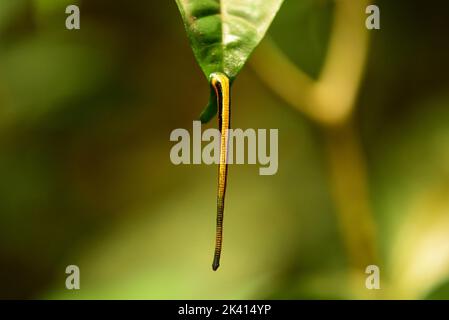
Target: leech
(220, 83)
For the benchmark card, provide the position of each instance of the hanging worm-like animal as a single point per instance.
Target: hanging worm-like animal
(220, 83)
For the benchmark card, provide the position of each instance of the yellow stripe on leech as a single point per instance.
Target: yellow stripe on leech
(220, 83)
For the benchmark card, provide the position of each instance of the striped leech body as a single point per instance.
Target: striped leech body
(220, 83)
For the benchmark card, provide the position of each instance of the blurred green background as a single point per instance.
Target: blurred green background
(86, 178)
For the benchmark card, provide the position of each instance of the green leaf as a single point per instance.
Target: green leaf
(223, 34)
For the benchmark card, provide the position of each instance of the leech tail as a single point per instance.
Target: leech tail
(220, 83)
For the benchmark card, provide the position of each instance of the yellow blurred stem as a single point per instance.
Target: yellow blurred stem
(329, 102)
(348, 183)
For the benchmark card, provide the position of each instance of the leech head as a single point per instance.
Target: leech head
(215, 264)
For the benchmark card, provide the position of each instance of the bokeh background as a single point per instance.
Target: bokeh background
(86, 178)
